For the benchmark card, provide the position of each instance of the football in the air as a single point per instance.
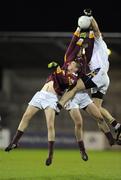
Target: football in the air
(84, 22)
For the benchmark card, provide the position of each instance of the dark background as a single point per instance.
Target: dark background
(57, 15)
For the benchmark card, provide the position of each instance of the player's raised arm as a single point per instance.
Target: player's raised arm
(72, 44)
(77, 47)
(95, 28)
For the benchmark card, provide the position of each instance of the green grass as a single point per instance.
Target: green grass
(67, 165)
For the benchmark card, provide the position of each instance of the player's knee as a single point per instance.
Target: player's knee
(50, 126)
(98, 116)
(78, 125)
(101, 119)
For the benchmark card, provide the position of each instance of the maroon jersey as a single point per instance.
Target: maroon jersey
(85, 58)
(73, 48)
(61, 78)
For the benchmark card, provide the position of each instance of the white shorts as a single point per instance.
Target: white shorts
(80, 100)
(102, 81)
(43, 99)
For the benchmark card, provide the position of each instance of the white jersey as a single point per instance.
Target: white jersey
(99, 56)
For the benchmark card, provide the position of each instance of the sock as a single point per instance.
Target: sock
(81, 146)
(115, 124)
(110, 138)
(17, 137)
(50, 148)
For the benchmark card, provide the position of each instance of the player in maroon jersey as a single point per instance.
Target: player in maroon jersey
(61, 79)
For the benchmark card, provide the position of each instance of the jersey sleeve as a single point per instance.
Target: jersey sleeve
(73, 55)
(72, 45)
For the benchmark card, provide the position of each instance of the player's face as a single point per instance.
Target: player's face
(73, 67)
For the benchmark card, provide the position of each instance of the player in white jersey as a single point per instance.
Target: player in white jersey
(97, 80)
(100, 60)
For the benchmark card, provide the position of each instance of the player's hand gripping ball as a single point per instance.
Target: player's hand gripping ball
(84, 22)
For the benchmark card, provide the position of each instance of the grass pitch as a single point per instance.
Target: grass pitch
(67, 165)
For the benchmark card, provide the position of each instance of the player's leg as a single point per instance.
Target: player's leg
(50, 117)
(78, 121)
(27, 116)
(95, 113)
(109, 117)
(104, 112)
(103, 82)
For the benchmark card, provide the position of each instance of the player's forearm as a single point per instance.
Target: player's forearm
(67, 95)
(72, 44)
(95, 28)
(74, 53)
